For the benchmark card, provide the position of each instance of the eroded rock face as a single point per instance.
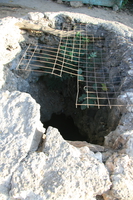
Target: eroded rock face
(20, 132)
(120, 167)
(60, 172)
(9, 38)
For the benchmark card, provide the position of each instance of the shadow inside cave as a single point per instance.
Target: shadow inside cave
(66, 127)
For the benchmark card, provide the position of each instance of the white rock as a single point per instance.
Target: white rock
(121, 171)
(130, 72)
(59, 1)
(131, 65)
(62, 172)
(27, 180)
(115, 8)
(10, 82)
(35, 16)
(20, 132)
(9, 39)
(76, 4)
(121, 139)
(127, 99)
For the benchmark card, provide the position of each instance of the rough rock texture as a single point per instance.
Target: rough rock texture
(61, 172)
(122, 137)
(9, 37)
(20, 132)
(76, 4)
(92, 147)
(120, 167)
(36, 16)
(59, 1)
(11, 82)
(120, 164)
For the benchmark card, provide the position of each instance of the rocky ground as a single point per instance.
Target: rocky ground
(20, 8)
(42, 166)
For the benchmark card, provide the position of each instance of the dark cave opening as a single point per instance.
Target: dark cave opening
(66, 127)
(56, 91)
(57, 100)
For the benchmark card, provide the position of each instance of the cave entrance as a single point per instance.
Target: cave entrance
(58, 110)
(73, 52)
(76, 64)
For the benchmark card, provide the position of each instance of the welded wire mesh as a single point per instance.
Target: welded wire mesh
(78, 54)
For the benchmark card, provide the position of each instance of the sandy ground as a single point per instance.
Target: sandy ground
(11, 8)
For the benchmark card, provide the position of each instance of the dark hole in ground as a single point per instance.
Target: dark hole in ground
(57, 100)
(58, 94)
(66, 127)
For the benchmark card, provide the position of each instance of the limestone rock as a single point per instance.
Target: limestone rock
(20, 132)
(115, 8)
(11, 82)
(121, 171)
(61, 172)
(10, 37)
(127, 100)
(59, 1)
(27, 180)
(76, 4)
(130, 72)
(35, 16)
(122, 137)
(92, 147)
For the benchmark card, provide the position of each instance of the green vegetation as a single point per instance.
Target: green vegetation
(87, 100)
(72, 56)
(124, 3)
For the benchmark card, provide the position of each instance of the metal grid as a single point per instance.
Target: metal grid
(81, 55)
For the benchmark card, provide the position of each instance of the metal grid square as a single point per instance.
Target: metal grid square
(77, 54)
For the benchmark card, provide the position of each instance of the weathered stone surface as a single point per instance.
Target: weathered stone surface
(10, 82)
(121, 138)
(59, 1)
(130, 72)
(115, 8)
(127, 100)
(92, 147)
(10, 35)
(35, 16)
(120, 167)
(61, 172)
(76, 4)
(27, 180)
(120, 164)
(20, 132)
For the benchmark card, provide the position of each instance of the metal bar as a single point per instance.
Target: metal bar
(50, 60)
(103, 105)
(87, 69)
(22, 57)
(95, 80)
(77, 96)
(106, 91)
(31, 57)
(64, 57)
(57, 55)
